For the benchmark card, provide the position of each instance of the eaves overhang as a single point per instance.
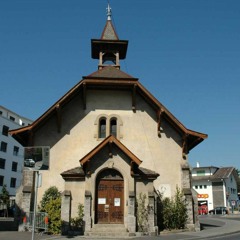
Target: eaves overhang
(103, 45)
(116, 80)
(74, 174)
(144, 173)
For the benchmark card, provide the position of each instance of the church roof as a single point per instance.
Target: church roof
(109, 32)
(116, 79)
(110, 77)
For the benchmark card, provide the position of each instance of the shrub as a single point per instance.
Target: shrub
(50, 193)
(173, 211)
(77, 222)
(53, 209)
(51, 204)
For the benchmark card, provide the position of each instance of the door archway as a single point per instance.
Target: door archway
(109, 197)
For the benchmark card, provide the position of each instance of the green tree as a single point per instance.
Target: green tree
(51, 204)
(180, 209)
(5, 199)
(173, 211)
(53, 209)
(50, 193)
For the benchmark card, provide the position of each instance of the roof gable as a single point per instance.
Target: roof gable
(78, 173)
(110, 140)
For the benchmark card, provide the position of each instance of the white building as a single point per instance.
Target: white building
(215, 186)
(11, 152)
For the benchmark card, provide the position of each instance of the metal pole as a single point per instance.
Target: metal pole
(35, 203)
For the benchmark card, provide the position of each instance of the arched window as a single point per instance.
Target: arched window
(102, 128)
(108, 125)
(113, 127)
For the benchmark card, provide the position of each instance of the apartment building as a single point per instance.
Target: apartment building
(11, 152)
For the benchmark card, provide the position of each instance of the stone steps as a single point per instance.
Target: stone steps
(108, 230)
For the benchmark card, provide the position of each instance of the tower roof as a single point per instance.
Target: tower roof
(109, 32)
(109, 47)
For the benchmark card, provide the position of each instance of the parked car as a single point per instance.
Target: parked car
(29, 163)
(219, 210)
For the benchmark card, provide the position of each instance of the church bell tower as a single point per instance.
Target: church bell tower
(109, 49)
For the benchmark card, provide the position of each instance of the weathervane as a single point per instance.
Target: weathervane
(109, 12)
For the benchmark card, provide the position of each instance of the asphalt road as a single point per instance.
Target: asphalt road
(210, 222)
(235, 236)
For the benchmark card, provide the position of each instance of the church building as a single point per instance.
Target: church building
(111, 140)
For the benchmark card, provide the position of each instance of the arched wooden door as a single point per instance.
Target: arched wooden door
(109, 197)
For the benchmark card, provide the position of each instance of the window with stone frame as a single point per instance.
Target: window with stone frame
(113, 127)
(102, 128)
(108, 125)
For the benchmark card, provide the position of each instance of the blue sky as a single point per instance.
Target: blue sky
(185, 52)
